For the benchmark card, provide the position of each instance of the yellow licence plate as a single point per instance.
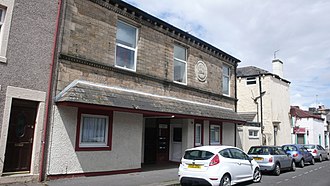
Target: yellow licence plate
(194, 166)
(258, 158)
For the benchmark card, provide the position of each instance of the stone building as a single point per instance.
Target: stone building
(266, 94)
(132, 89)
(27, 31)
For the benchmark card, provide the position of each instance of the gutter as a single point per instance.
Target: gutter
(49, 96)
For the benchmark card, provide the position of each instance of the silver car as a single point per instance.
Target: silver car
(318, 152)
(272, 158)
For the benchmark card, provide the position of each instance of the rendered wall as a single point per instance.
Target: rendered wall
(126, 145)
(315, 129)
(276, 106)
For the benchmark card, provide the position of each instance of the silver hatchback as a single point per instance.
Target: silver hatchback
(318, 152)
(272, 158)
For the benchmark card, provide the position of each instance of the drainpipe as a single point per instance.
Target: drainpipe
(235, 135)
(261, 112)
(49, 96)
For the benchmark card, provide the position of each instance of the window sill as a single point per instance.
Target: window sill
(3, 59)
(93, 148)
(253, 137)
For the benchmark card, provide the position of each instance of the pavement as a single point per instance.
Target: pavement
(164, 177)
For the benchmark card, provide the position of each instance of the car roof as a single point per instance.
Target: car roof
(214, 149)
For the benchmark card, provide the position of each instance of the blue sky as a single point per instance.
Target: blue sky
(251, 30)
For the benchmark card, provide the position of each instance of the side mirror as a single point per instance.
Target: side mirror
(250, 159)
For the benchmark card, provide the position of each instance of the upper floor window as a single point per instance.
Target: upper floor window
(225, 80)
(2, 17)
(251, 81)
(126, 46)
(180, 64)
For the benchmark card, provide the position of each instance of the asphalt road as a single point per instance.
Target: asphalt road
(310, 175)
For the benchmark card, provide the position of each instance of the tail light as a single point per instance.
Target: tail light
(315, 151)
(215, 160)
(270, 160)
(295, 154)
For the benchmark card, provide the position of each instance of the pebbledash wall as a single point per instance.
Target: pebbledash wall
(26, 46)
(87, 52)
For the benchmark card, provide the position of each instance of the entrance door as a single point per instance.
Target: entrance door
(300, 138)
(176, 143)
(20, 136)
(163, 140)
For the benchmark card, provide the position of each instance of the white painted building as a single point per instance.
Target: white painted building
(267, 94)
(307, 128)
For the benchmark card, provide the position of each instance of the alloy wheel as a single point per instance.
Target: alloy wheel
(257, 176)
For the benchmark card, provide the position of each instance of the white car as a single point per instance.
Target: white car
(217, 165)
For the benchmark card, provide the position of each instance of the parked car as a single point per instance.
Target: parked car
(217, 165)
(318, 152)
(299, 154)
(272, 159)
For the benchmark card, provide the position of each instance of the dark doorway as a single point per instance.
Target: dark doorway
(20, 135)
(156, 145)
(300, 138)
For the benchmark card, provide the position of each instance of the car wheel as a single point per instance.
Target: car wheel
(320, 159)
(313, 161)
(277, 170)
(302, 163)
(327, 158)
(293, 166)
(257, 176)
(225, 180)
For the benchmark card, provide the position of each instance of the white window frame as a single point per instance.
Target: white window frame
(182, 61)
(215, 142)
(223, 79)
(251, 80)
(129, 48)
(198, 125)
(7, 7)
(93, 145)
(255, 133)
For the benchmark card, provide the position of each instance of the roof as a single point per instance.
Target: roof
(251, 71)
(98, 94)
(248, 116)
(137, 14)
(295, 111)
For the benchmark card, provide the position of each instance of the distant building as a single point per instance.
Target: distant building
(307, 128)
(325, 114)
(268, 95)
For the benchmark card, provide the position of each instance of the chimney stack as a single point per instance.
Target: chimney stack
(278, 67)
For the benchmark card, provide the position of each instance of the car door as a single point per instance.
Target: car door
(307, 155)
(285, 160)
(245, 168)
(322, 151)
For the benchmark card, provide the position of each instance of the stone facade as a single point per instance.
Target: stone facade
(87, 53)
(92, 37)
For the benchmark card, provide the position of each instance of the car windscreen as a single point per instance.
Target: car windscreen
(259, 151)
(289, 148)
(197, 155)
(309, 146)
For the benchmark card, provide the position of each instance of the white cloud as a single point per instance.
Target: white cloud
(252, 30)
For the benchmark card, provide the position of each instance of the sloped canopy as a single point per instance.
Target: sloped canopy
(84, 92)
